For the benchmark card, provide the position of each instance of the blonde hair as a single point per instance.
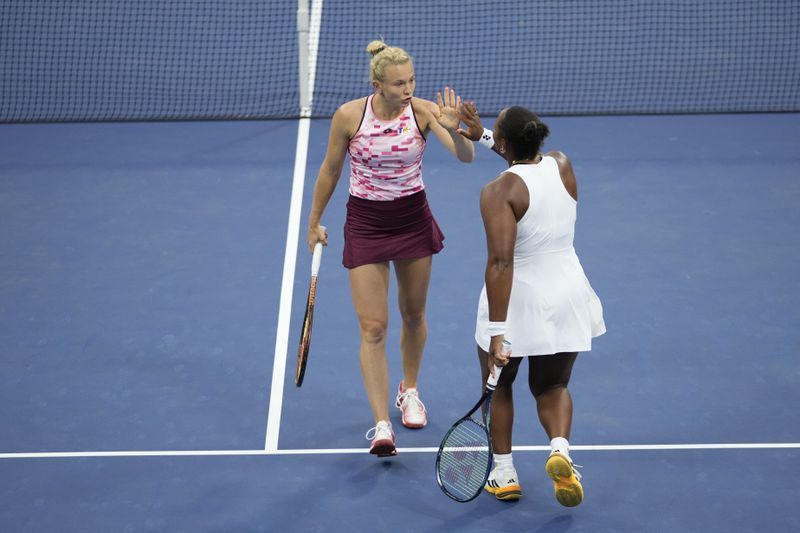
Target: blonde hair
(384, 55)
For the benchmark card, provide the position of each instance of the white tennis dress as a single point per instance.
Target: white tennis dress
(552, 308)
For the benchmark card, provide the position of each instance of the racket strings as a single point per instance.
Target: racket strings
(465, 459)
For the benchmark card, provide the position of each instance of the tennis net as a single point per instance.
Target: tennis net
(147, 59)
(70, 60)
(577, 57)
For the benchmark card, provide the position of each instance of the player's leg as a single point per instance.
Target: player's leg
(413, 279)
(369, 287)
(548, 380)
(503, 481)
(502, 415)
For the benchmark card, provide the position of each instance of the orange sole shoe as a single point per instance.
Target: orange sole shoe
(569, 491)
(507, 493)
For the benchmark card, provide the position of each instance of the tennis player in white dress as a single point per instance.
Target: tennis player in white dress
(536, 293)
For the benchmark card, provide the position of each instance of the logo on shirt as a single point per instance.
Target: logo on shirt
(400, 130)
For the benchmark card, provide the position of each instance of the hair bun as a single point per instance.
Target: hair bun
(530, 130)
(376, 47)
(535, 130)
(542, 130)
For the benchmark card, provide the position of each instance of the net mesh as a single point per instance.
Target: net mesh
(579, 57)
(147, 59)
(213, 59)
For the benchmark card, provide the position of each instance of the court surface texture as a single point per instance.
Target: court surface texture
(152, 286)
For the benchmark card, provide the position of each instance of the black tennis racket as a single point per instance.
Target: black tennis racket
(308, 319)
(465, 454)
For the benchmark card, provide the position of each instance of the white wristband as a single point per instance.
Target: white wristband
(496, 328)
(487, 139)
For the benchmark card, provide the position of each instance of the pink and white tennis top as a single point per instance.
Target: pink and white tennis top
(386, 156)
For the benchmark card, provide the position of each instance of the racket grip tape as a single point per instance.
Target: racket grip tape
(316, 259)
(491, 383)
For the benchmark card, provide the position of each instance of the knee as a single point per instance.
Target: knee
(373, 331)
(413, 318)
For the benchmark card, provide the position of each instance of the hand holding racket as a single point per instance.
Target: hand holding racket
(465, 454)
(308, 320)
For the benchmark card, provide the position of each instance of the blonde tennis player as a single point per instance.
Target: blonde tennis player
(388, 221)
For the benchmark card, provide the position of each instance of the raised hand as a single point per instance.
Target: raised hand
(449, 108)
(469, 116)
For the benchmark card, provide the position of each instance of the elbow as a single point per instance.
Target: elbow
(468, 157)
(329, 172)
(501, 264)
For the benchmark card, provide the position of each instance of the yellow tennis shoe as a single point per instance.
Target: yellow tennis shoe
(566, 479)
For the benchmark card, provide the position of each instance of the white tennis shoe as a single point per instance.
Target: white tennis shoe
(414, 413)
(504, 484)
(382, 438)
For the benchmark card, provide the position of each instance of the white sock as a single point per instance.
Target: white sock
(503, 462)
(561, 444)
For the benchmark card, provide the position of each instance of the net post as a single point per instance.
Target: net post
(302, 49)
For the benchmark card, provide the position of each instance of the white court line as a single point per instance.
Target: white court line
(314, 27)
(292, 237)
(285, 309)
(351, 451)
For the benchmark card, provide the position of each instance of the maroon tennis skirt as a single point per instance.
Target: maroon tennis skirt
(380, 231)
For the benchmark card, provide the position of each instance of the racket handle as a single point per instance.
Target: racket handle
(316, 259)
(491, 383)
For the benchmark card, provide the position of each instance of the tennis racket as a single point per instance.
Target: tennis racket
(308, 320)
(465, 454)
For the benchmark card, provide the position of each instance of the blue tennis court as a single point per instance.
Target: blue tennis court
(153, 278)
(141, 318)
